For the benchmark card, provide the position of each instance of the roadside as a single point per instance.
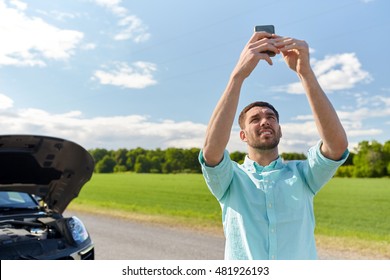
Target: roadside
(344, 248)
(329, 248)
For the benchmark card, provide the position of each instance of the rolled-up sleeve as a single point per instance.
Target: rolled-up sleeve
(219, 177)
(320, 169)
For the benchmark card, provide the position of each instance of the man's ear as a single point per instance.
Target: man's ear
(280, 131)
(242, 135)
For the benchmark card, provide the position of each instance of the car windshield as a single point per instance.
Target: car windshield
(16, 200)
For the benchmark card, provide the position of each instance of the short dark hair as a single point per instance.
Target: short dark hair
(241, 118)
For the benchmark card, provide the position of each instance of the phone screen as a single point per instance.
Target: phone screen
(266, 28)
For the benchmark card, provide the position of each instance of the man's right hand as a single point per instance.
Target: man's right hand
(253, 52)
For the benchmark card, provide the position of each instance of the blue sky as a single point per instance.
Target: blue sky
(124, 74)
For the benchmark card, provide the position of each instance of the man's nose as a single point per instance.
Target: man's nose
(264, 122)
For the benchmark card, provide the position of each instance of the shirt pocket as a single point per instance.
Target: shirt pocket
(290, 199)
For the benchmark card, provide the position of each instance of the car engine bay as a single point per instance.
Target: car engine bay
(35, 238)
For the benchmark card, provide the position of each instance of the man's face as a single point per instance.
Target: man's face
(262, 130)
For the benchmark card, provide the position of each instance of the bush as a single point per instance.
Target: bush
(120, 168)
(345, 171)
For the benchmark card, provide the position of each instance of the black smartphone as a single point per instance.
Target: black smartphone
(269, 29)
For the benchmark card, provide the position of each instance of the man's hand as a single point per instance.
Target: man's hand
(253, 53)
(295, 53)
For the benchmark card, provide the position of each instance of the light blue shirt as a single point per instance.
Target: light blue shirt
(267, 212)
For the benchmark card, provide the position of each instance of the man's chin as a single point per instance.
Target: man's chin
(265, 146)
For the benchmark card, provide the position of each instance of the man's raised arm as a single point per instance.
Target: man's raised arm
(296, 55)
(221, 122)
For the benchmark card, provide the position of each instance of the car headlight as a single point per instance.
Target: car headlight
(77, 229)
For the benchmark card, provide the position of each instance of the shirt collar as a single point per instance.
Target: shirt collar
(253, 167)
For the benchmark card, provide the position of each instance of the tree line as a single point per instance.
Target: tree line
(139, 160)
(370, 159)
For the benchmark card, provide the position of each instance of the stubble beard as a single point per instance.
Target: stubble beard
(265, 145)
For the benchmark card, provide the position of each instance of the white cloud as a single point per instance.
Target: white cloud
(385, 89)
(334, 72)
(383, 100)
(138, 75)
(19, 4)
(365, 132)
(5, 102)
(113, 6)
(341, 71)
(358, 115)
(30, 41)
(88, 46)
(131, 26)
(59, 15)
(129, 131)
(364, 120)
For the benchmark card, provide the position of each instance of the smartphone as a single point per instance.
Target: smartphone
(269, 29)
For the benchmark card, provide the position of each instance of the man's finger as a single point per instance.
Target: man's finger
(259, 35)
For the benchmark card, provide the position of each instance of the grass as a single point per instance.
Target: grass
(349, 212)
(354, 208)
(183, 198)
(354, 215)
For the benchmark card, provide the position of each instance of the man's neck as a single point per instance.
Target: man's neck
(263, 157)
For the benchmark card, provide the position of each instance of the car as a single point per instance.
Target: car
(39, 177)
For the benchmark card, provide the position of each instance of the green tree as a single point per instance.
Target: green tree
(386, 154)
(349, 160)
(155, 164)
(369, 160)
(98, 154)
(120, 157)
(345, 171)
(174, 161)
(105, 165)
(142, 164)
(191, 162)
(131, 157)
(120, 168)
(293, 156)
(238, 157)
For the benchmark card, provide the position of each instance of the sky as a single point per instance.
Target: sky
(124, 74)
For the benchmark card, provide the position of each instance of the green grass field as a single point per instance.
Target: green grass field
(356, 209)
(183, 197)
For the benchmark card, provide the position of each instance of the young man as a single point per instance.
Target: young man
(267, 204)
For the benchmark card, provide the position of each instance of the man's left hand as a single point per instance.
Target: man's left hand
(295, 53)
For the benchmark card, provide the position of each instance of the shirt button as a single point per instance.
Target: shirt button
(273, 257)
(272, 230)
(270, 205)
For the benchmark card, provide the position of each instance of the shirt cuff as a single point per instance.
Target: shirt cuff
(219, 177)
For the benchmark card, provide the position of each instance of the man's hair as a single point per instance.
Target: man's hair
(241, 118)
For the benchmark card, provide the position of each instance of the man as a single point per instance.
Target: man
(267, 204)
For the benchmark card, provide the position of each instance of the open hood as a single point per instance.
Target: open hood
(52, 168)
